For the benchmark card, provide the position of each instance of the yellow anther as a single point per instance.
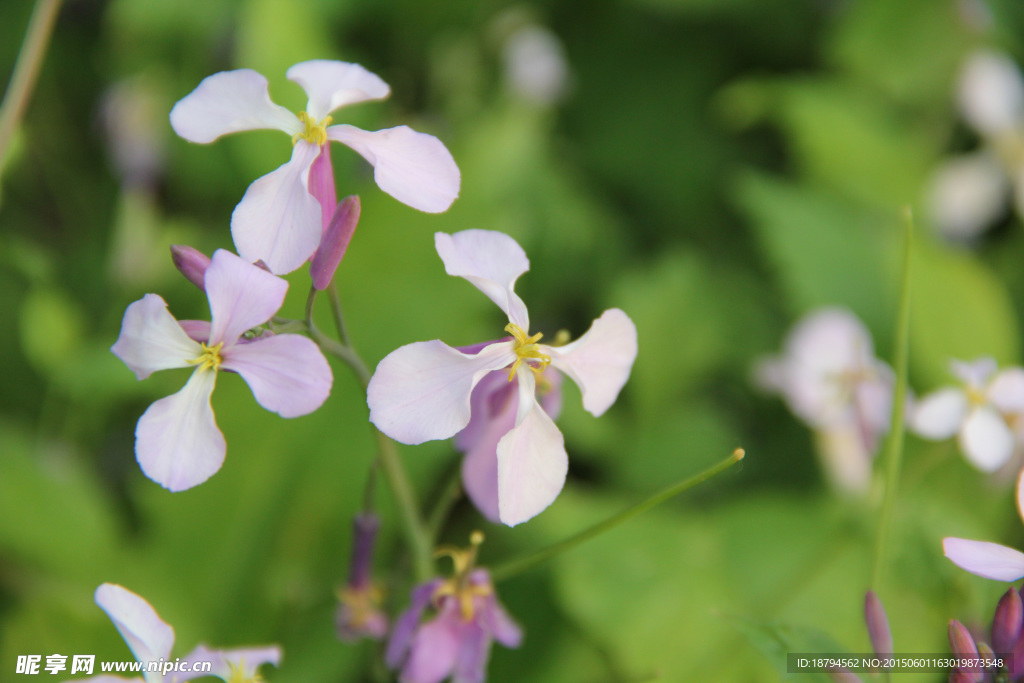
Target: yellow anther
(210, 358)
(316, 131)
(458, 586)
(526, 349)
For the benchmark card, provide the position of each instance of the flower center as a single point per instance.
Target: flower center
(364, 603)
(459, 586)
(237, 674)
(316, 131)
(526, 349)
(210, 359)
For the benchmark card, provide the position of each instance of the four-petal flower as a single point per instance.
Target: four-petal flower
(422, 391)
(278, 219)
(177, 442)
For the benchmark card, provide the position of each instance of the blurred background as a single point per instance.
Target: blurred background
(715, 168)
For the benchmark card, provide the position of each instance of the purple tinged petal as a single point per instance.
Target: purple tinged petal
(414, 168)
(421, 392)
(405, 626)
(191, 262)
(177, 442)
(600, 361)
(151, 339)
(473, 653)
(435, 648)
(278, 220)
(878, 624)
(335, 242)
(228, 102)
(321, 185)
(986, 439)
(975, 374)
(1006, 392)
(489, 399)
(287, 373)
(480, 464)
(241, 295)
(247, 659)
(532, 462)
(492, 261)
(1007, 622)
(990, 560)
(147, 635)
(331, 84)
(197, 330)
(496, 620)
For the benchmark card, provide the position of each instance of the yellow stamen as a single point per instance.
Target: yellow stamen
(526, 349)
(458, 586)
(237, 674)
(316, 131)
(210, 358)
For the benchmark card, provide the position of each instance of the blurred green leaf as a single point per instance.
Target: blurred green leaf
(52, 328)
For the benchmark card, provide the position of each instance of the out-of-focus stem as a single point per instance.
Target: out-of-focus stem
(26, 70)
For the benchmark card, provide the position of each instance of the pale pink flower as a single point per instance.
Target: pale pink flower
(278, 219)
(177, 442)
(422, 392)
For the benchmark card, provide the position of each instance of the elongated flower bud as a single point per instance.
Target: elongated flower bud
(1007, 623)
(192, 263)
(334, 242)
(878, 624)
(962, 643)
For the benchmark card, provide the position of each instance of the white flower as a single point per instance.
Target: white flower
(278, 220)
(421, 392)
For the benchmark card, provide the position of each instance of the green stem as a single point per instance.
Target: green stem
(339, 319)
(448, 498)
(387, 456)
(26, 70)
(893, 452)
(514, 567)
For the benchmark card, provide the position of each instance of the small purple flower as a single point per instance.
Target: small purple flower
(150, 639)
(279, 220)
(359, 614)
(456, 641)
(177, 442)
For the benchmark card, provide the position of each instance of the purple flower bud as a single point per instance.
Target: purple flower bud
(321, 185)
(359, 614)
(962, 643)
(337, 234)
(192, 263)
(878, 624)
(1007, 623)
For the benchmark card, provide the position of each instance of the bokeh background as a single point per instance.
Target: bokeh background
(716, 168)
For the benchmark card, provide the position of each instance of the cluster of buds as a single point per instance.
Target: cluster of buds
(1006, 632)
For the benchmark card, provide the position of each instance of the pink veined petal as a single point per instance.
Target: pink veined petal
(1006, 392)
(321, 185)
(147, 635)
(939, 415)
(490, 397)
(151, 339)
(421, 392)
(480, 464)
(248, 659)
(177, 442)
(990, 560)
(278, 220)
(474, 651)
(493, 262)
(599, 361)
(287, 373)
(414, 168)
(228, 102)
(532, 462)
(241, 296)
(330, 85)
(434, 648)
(405, 625)
(986, 439)
(493, 617)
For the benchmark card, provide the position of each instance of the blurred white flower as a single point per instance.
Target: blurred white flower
(829, 377)
(968, 194)
(536, 66)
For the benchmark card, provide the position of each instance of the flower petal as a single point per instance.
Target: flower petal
(405, 626)
(287, 373)
(248, 660)
(492, 261)
(991, 93)
(599, 361)
(278, 220)
(986, 439)
(495, 620)
(330, 85)
(177, 442)
(495, 415)
(1006, 392)
(532, 462)
(976, 373)
(241, 295)
(990, 560)
(434, 649)
(414, 168)
(939, 415)
(228, 102)
(147, 635)
(151, 339)
(473, 653)
(421, 392)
